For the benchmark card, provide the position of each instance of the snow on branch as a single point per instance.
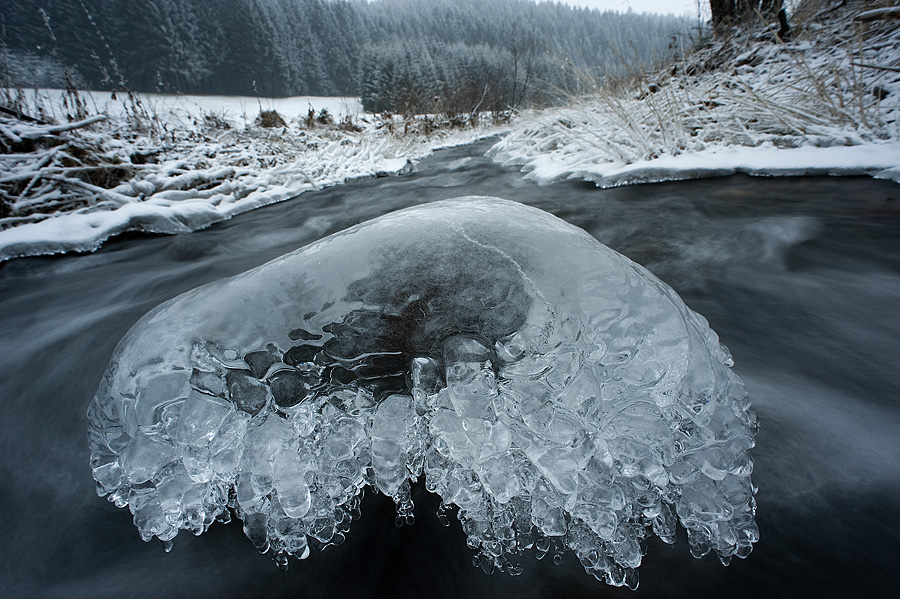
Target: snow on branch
(70, 187)
(891, 12)
(37, 131)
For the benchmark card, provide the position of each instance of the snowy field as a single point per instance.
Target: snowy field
(186, 109)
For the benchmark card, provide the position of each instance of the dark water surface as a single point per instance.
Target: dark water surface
(799, 276)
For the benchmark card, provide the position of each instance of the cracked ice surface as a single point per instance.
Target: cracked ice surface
(558, 394)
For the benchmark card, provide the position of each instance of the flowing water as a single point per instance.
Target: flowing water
(799, 276)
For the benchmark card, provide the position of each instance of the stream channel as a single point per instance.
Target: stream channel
(799, 276)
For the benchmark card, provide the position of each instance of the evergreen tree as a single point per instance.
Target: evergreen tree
(400, 55)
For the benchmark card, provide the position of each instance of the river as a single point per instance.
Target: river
(799, 276)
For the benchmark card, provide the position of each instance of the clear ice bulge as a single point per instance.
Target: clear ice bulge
(555, 392)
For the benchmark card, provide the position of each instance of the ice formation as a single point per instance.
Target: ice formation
(558, 394)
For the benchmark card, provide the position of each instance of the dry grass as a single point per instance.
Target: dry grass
(270, 119)
(746, 87)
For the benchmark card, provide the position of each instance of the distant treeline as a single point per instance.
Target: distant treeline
(398, 55)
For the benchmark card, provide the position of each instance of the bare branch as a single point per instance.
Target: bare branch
(876, 66)
(891, 12)
(60, 128)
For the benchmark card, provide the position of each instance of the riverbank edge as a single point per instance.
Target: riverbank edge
(825, 100)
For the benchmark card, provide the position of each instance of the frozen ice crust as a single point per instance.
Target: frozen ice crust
(555, 392)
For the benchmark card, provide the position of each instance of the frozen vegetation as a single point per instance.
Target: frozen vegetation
(824, 100)
(166, 164)
(556, 395)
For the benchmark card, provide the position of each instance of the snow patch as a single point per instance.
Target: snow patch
(878, 159)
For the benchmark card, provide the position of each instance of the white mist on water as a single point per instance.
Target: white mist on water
(839, 441)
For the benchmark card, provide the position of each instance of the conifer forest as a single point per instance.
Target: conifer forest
(401, 56)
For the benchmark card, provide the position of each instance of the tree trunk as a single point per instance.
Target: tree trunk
(722, 11)
(730, 11)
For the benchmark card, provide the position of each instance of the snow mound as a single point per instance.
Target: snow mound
(556, 393)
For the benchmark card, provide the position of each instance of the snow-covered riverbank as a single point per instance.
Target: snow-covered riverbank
(166, 164)
(824, 101)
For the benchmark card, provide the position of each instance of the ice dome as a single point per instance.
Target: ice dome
(558, 394)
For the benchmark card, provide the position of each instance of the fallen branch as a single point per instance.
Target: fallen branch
(891, 12)
(37, 174)
(61, 128)
(21, 116)
(117, 198)
(10, 134)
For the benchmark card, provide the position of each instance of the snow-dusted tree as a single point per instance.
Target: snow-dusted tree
(501, 53)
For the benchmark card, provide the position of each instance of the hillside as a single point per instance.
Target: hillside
(395, 53)
(823, 100)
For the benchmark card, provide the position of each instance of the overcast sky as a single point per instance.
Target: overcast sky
(683, 7)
